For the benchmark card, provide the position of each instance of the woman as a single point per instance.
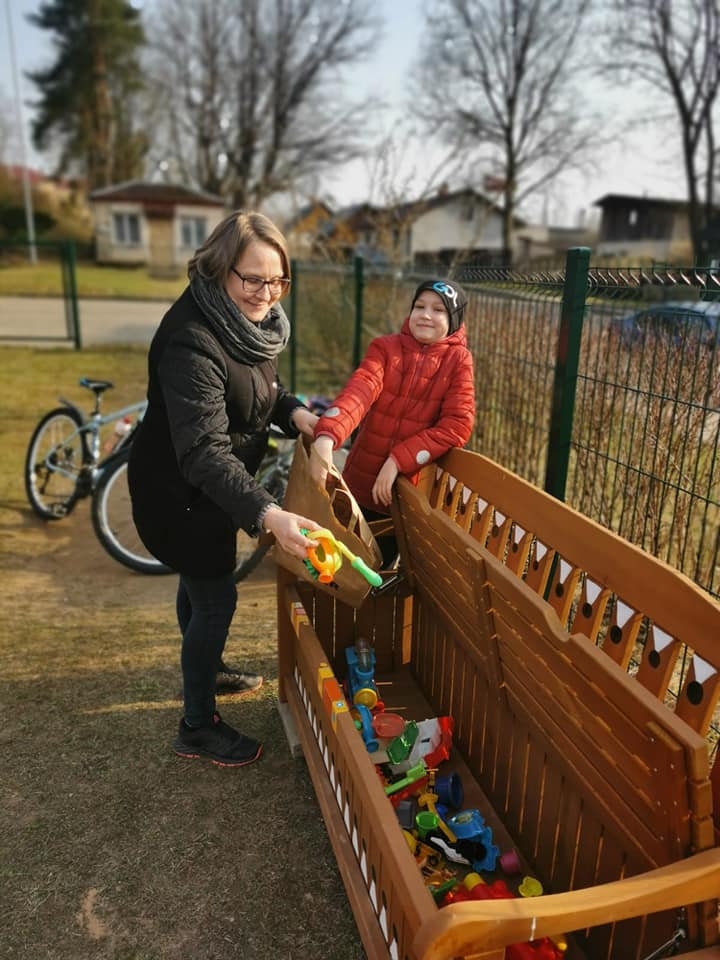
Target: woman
(213, 391)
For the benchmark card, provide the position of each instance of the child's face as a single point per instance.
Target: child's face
(429, 321)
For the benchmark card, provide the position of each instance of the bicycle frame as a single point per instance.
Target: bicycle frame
(92, 424)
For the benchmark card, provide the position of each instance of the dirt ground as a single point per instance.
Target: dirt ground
(112, 847)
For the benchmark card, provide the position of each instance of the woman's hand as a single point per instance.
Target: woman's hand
(304, 421)
(320, 459)
(285, 527)
(382, 488)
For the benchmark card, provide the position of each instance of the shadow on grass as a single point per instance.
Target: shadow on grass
(113, 847)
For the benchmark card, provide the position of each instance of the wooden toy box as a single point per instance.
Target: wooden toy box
(582, 677)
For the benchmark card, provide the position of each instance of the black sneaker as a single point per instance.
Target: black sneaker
(236, 681)
(219, 743)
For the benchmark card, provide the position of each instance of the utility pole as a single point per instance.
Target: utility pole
(27, 194)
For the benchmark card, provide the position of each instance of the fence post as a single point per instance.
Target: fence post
(359, 288)
(566, 369)
(72, 319)
(293, 325)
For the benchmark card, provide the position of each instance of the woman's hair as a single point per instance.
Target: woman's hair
(230, 238)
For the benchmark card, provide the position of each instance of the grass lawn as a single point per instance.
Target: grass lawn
(112, 847)
(45, 279)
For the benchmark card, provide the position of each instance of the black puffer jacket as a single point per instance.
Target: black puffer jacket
(195, 454)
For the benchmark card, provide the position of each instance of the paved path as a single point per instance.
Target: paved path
(42, 319)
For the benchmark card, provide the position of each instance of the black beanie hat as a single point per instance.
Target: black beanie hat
(452, 295)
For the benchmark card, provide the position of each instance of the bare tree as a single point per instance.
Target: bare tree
(495, 78)
(673, 46)
(251, 90)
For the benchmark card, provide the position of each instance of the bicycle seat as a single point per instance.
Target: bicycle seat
(98, 387)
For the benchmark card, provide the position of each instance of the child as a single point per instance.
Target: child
(413, 397)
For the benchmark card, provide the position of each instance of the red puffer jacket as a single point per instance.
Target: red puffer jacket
(413, 401)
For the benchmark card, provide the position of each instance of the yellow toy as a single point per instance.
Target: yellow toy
(326, 558)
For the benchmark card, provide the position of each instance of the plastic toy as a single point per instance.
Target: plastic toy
(433, 742)
(365, 725)
(474, 839)
(530, 887)
(427, 799)
(473, 887)
(360, 683)
(412, 776)
(405, 811)
(401, 746)
(449, 851)
(325, 559)
(426, 822)
(449, 790)
(510, 862)
(388, 725)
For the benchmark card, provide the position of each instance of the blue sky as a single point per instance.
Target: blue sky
(628, 167)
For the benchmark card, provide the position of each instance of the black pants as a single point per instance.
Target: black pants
(205, 610)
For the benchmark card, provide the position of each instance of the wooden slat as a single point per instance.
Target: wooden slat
(593, 774)
(639, 827)
(456, 930)
(678, 605)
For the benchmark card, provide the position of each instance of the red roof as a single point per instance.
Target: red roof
(16, 172)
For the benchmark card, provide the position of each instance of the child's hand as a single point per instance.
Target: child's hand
(320, 459)
(382, 488)
(304, 420)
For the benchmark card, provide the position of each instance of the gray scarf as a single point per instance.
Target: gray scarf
(244, 340)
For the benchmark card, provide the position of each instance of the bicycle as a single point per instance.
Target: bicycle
(65, 463)
(111, 510)
(64, 452)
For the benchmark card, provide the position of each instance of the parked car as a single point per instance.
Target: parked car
(676, 320)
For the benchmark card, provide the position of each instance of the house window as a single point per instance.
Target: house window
(126, 229)
(467, 212)
(193, 232)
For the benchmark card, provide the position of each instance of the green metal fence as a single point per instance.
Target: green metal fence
(625, 428)
(62, 254)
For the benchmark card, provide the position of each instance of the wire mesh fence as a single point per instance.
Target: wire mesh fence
(601, 385)
(641, 432)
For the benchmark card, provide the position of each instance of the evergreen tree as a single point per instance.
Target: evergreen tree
(85, 94)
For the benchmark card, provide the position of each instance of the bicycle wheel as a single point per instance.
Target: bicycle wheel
(112, 519)
(273, 474)
(55, 460)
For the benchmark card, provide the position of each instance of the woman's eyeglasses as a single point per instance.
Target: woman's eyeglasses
(276, 285)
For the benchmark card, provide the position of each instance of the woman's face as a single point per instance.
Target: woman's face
(259, 261)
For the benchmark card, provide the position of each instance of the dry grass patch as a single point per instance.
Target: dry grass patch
(112, 847)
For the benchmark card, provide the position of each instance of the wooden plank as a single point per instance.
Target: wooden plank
(456, 930)
(517, 779)
(571, 814)
(641, 830)
(623, 752)
(678, 605)
(699, 697)
(561, 588)
(657, 666)
(627, 699)
(552, 790)
(529, 826)
(590, 610)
